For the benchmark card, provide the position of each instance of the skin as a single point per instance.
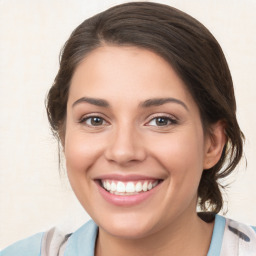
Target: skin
(127, 140)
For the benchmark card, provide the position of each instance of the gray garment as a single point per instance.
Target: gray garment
(54, 243)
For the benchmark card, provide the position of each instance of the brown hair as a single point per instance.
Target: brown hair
(189, 48)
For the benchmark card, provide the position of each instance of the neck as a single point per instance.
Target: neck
(189, 235)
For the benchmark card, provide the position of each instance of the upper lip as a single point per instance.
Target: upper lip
(125, 177)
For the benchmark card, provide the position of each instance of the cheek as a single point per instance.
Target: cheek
(182, 155)
(80, 152)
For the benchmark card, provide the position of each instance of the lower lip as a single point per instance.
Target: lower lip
(129, 200)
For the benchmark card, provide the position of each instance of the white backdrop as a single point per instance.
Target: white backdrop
(32, 195)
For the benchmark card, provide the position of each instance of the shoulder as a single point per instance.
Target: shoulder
(239, 238)
(82, 241)
(30, 246)
(231, 238)
(55, 242)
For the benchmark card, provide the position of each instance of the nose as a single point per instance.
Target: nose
(125, 146)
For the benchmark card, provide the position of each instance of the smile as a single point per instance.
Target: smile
(127, 191)
(128, 188)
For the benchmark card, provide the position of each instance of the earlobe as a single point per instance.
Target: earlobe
(216, 140)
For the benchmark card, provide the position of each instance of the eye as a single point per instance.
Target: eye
(161, 121)
(93, 121)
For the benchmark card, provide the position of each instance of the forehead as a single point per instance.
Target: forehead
(136, 73)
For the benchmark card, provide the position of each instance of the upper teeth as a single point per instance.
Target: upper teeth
(128, 187)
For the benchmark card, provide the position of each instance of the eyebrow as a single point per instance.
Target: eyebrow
(93, 101)
(162, 101)
(145, 104)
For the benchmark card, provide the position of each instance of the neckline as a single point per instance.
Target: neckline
(82, 242)
(217, 236)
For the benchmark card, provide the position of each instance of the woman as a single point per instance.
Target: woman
(144, 108)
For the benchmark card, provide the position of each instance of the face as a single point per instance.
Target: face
(134, 144)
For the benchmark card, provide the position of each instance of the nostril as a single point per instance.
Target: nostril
(122, 155)
(125, 145)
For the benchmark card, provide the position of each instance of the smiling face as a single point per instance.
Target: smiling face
(134, 143)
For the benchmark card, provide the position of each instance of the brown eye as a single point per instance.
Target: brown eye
(162, 121)
(94, 121)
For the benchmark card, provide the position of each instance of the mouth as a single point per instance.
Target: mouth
(128, 188)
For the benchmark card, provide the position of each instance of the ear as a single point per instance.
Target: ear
(215, 142)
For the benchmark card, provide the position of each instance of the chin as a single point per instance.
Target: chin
(125, 232)
(128, 226)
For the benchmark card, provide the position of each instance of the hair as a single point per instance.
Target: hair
(188, 47)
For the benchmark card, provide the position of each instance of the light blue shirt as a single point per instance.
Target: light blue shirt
(82, 242)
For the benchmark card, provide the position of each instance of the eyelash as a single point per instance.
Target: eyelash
(83, 120)
(170, 119)
(167, 118)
